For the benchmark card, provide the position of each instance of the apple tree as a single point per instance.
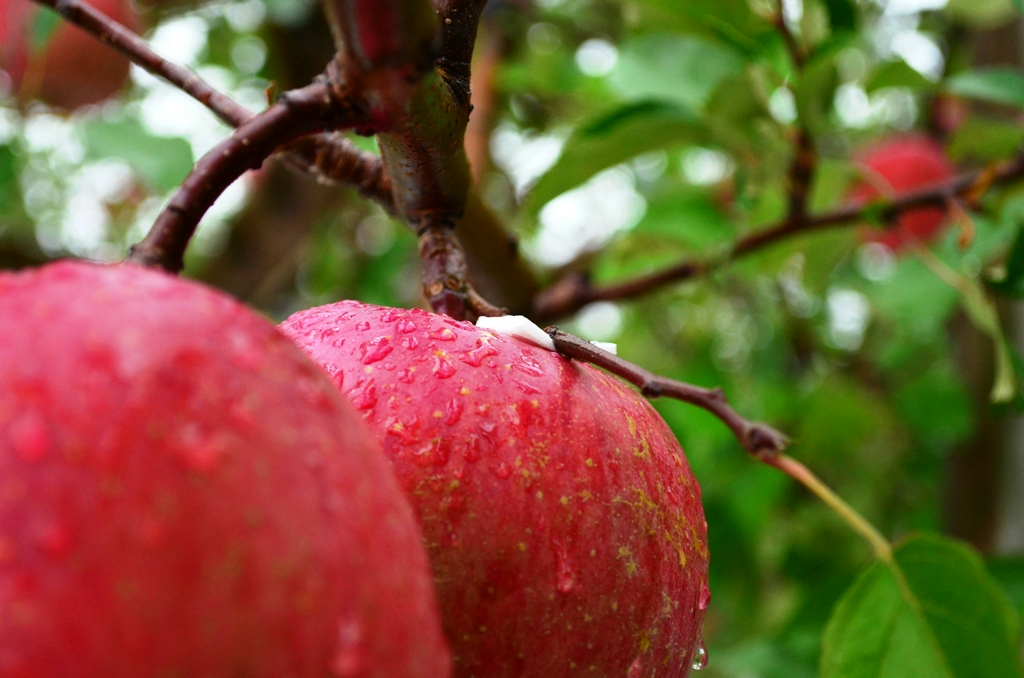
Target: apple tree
(807, 213)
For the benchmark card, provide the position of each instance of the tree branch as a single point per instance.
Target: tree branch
(573, 292)
(296, 113)
(329, 157)
(758, 439)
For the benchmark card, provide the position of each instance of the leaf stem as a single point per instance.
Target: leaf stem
(803, 475)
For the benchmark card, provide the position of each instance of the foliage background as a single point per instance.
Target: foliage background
(622, 135)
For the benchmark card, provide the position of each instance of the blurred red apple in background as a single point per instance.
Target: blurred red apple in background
(896, 167)
(182, 493)
(564, 525)
(68, 68)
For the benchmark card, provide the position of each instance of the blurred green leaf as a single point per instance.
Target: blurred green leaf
(985, 139)
(1009, 572)
(677, 68)
(44, 25)
(842, 15)
(1012, 283)
(896, 74)
(931, 612)
(164, 162)
(688, 216)
(613, 138)
(998, 84)
(730, 22)
(981, 13)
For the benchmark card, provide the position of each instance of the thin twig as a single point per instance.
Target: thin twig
(762, 441)
(573, 292)
(296, 113)
(329, 157)
(756, 438)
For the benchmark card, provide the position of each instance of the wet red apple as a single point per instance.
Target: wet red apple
(69, 68)
(894, 168)
(564, 525)
(182, 493)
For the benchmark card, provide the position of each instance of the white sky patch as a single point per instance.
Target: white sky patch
(782, 105)
(911, 6)
(245, 17)
(524, 156)
(586, 218)
(876, 262)
(596, 57)
(704, 166)
(848, 315)
(920, 52)
(182, 39)
(599, 321)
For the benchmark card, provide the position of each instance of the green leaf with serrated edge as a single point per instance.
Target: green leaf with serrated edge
(933, 611)
(896, 74)
(1000, 84)
(613, 138)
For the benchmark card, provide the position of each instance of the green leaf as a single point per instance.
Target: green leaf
(999, 84)
(1018, 5)
(162, 161)
(933, 611)
(1012, 283)
(897, 74)
(613, 138)
(983, 314)
(985, 140)
(842, 15)
(44, 24)
(677, 68)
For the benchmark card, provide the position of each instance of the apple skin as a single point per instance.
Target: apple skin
(564, 526)
(74, 69)
(904, 164)
(182, 493)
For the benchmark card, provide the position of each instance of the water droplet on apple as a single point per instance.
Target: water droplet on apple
(476, 356)
(375, 349)
(406, 377)
(443, 368)
(350, 658)
(390, 315)
(705, 597)
(700, 659)
(443, 334)
(528, 365)
(406, 327)
(29, 436)
(565, 577)
(471, 452)
(362, 325)
(503, 471)
(635, 669)
(453, 411)
(364, 395)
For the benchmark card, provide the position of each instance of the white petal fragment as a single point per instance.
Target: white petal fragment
(517, 326)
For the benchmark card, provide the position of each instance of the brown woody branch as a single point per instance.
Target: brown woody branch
(329, 157)
(760, 440)
(573, 292)
(318, 106)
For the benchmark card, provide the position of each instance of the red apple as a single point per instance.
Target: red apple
(71, 69)
(897, 167)
(564, 525)
(182, 493)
